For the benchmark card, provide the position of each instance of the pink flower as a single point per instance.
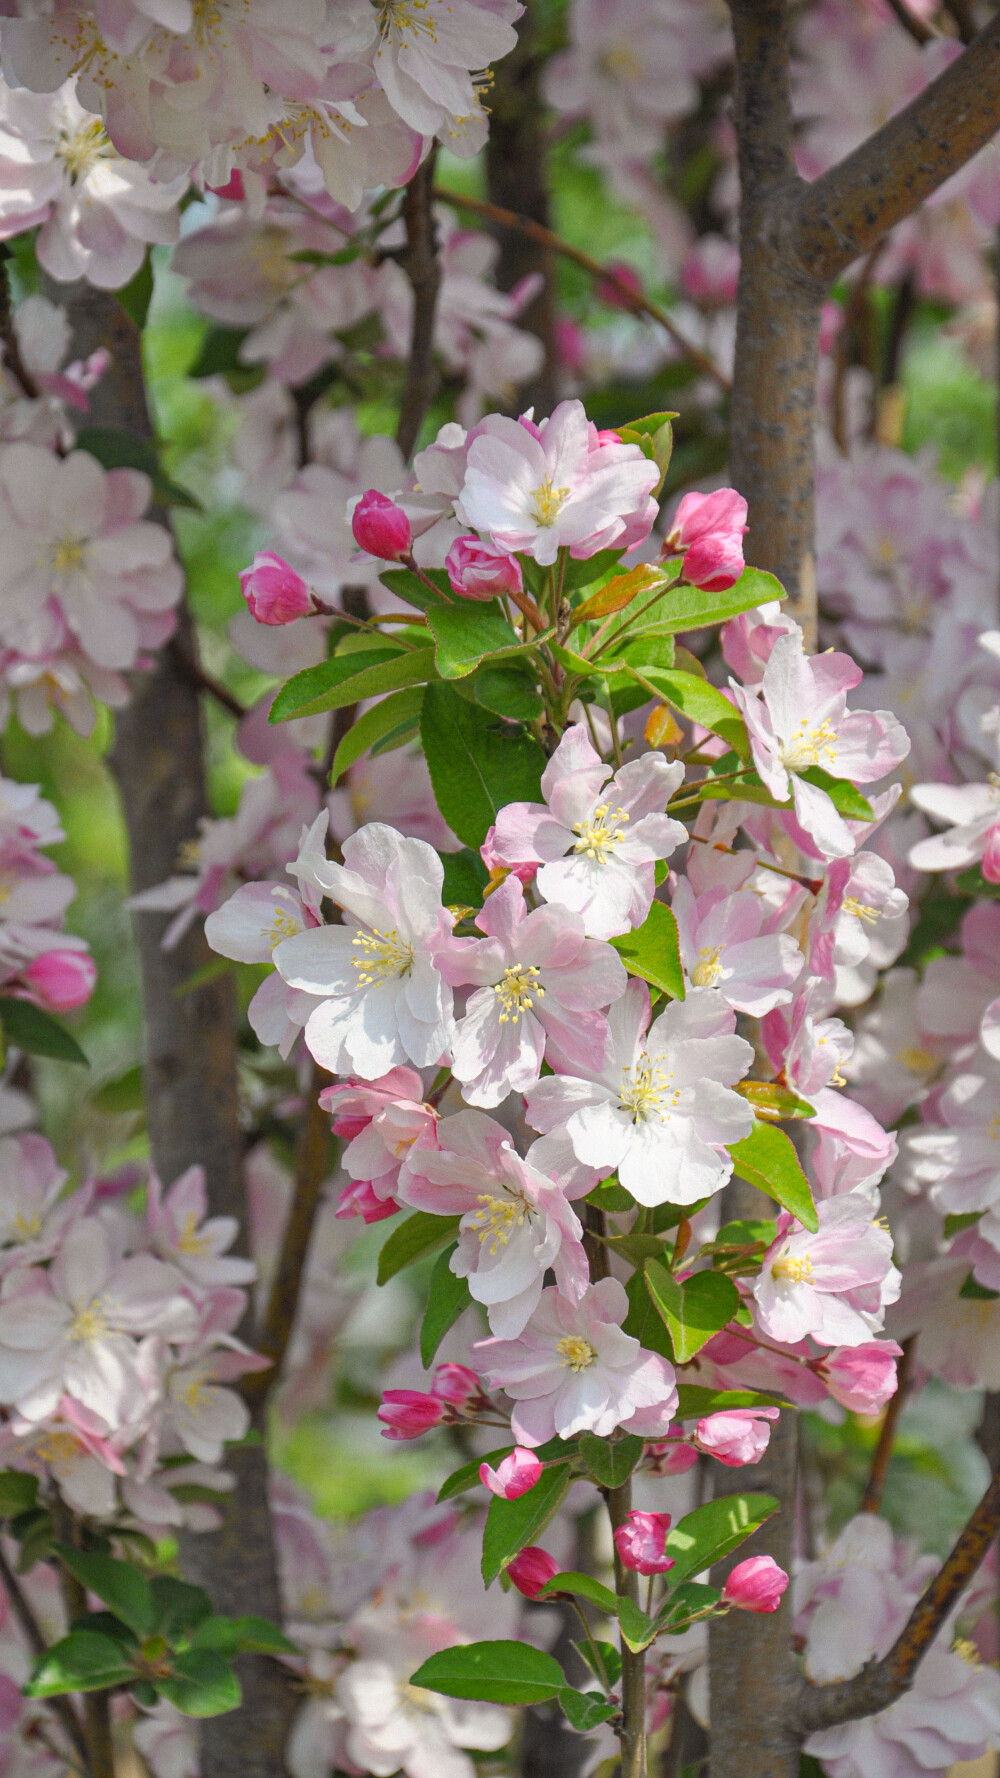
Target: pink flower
(380, 1121)
(525, 873)
(455, 1383)
(862, 1378)
(359, 1198)
(409, 1413)
(182, 1232)
(59, 981)
(530, 1570)
(736, 1436)
(834, 1284)
(755, 1585)
(381, 527)
(640, 1540)
(479, 570)
(273, 590)
(722, 946)
(513, 1476)
(709, 528)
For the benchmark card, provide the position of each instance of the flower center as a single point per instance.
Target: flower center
(577, 1354)
(26, 1228)
(707, 970)
(66, 556)
(918, 1061)
(645, 1092)
(517, 991)
(547, 502)
(89, 1323)
(797, 1271)
(283, 925)
(598, 839)
(811, 744)
(621, 62)
(404, 16)
(498, 1220)
(189, 1241)
(860, 910)
(82, 148)
(385, 956)
(58, 1447)
(417, 1698)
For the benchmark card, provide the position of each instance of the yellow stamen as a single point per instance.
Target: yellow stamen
(517, 991)
(498, 1219)
(597, 838)
(547, 502)
(386, 956)
(576, 1353)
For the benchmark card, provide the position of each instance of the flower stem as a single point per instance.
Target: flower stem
(633, 1730)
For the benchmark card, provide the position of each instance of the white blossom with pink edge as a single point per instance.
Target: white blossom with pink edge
(516, 1223)
(538, 986)
(797, 719)
(722, 946)
(33, 1220)
(834, 1284)
(627, 93)
(426, 62)
(574, 1370)
(182, 1233)
(379, 1121)
(247, 928)
(595, 842)
(959, 1160)
(972, 836)
(661, 1111)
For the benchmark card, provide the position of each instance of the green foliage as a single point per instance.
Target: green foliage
(466, 635)
(580, 1586)
(691, 1311)
(585, 1710)
(513, 1524)
(36, 1032)
(712, 1531)
(448, 1297)
(392, 721)
(477, 762)
(420, 1233)
(767, 1159)
(653, 952)
(611, 1461)
(350, 679)
(498, 1672)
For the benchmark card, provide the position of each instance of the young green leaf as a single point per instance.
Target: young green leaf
(711, 1531)
(467, 634)
(693, 1311)
(180, 1607)
(609, 1656)
(700, 702)
(584, 1710)
(581, 1586)
(421, 1233)
(118, 1585)
(767, 1159)
(637, 1629)
(231, 1636)
(619, 592)
(644, 1321)
(512, 1524)
(465, 878)
(688, 1600)
(694, 1402)
(36, 1032)
(496, 1672)
(652, 951)
(396, 711)
(446, 1300)
(18, 1492)
(202, 1684)
(83, 1661)
(774, 1102)
(349, 678)
(477, 763)
(610, 1462)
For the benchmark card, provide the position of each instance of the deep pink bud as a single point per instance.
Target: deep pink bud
(233, 188)
(273, 590)
(736, 1436)
(710, 529)
(60, 980)
(991, 856)
(513, 1476)
(359, 1198)
(609, 289)
(381, 527)
(674, 1458)
(455, 1383)
(407, 1413)
(755, 1585)
(640, 1540)
(479, 570)
(862, 1378)
(530, 1570)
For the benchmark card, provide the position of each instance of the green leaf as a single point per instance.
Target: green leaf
(577, 574)
(711, 1531)
(771, 1101)
(117, 1584)
(397, 711)
(652, 951)
(349, 678)
(512, 1524)
(509, 692)
(120, 1094)
(609, 1655)
(202, 1684)
(497, 1672)
(465, 878)
(447, 1299)
(18, 1492)
(644, 1321)
(847, 801)
(689, 608)
(974, 1292)
(584, 1710)
(700, 702)
(136, 295)
(635, 1248)
(477, 763)
(953, 1225)
(421, 1233)
(83, 1661)
(408, 586)
(693, 1311)
(242, 1635)
(694, 1402)
(581, 1586)
(468, 633)
(36, 1032)
(611, 1197)
(637, 1629)
(767, 1159)
(220, 352)
(610, 1462)
(685, 1602)
(180, 1607)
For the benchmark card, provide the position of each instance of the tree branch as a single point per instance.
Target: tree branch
(631, 299)
(422, 267)
(919, 29)
(842, 214)
(880, 1683)
(60, 1707)
(871, 1499)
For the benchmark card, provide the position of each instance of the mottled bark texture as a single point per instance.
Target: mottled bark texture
(190, 1062)
(422, 266)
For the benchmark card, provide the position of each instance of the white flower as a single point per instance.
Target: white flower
(428, 51)
(833, 1284)
(394, 1726)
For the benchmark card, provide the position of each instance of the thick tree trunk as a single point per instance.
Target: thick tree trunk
(190, 1062)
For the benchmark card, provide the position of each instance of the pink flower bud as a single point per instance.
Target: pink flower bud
(455, 1383)
(755, 1585)
(736, 1436)
(359, 1198)
(525, 873)
(60, 980)
(513, 1476)
(273, 590)
(381, 527)
(991, 856)
(407, 1413)
(862, 1378)
(673, 1458)
(530, 1570)
(609, 289)
(640, 1540)
(481, 571)
(710, 529)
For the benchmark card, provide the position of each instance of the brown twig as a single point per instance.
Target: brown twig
(632, 299)
(919, 29)
(423, 269)
(195, 673)
(871, 1499)
(964, 17)
(21, 1607)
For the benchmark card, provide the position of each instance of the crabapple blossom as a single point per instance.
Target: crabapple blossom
(247, 928)
(834, 1284)
(627, 94)
(531, 1569)
(380, 1121)
(573, 1369)
(60, 980)
(381, 527)
(709, 529)
(392, 1725)
(958, 1160)
(514, 1475)
(661, 1110)
(273, 591)
(33, 1213)
(478, 570)
(595, 842)
(425, 63)
(722, 946)
(539, 984)
(180, 1234)
(756, 1584)
(973, 837)
(516, 1223)
(640, 1542)
(736, 1435)
(808, 1048)
(862, 1378)
(408, 1413)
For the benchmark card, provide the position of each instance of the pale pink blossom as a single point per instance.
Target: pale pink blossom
(574, 1370)
(596, 842)
(629, 93)
(390, 1729)
(248, 927)
(973, 836)
(709, 529)
(182, 1233)
(34, 1215)
(858, 897)
(478, 570)
(834, 1284)
(807, 1047)
(514, 1475)
(862, 1378)
(426, 61)
(958, 1160)
(735, 1436)
(379, 1121)
(723, 945)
